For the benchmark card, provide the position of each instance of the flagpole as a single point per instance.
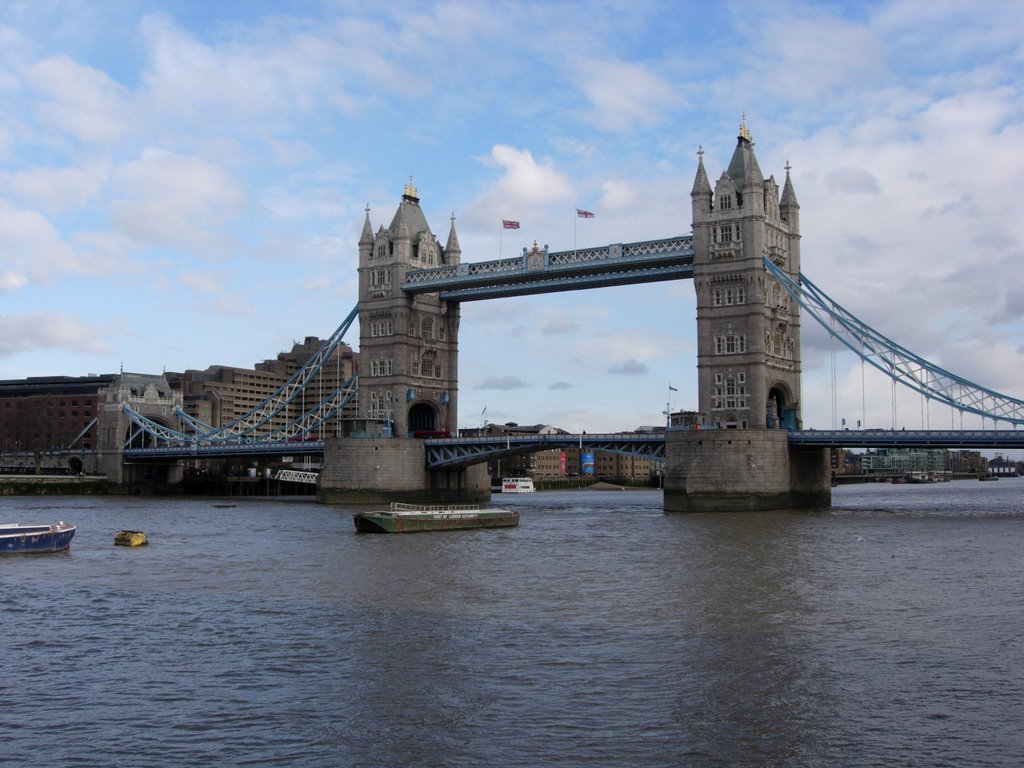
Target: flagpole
(575, 221)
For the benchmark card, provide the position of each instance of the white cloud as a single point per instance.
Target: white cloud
(525, 184)
(57, 189)
(11, 281)
(851, 181)
(30, 242)
(51, 331)
(808, 56)
(202, 282)
(623, 94)
(172, 200)
(80, 101)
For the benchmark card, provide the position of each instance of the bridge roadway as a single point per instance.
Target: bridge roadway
(463, 451)
(543, 272)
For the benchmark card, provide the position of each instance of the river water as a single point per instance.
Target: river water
(600, 632)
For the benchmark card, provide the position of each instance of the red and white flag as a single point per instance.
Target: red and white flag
(584, 214)
(508, 224)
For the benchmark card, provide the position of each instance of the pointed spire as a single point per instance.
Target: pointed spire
(701, 185)
(743, 168)
(788, 193)
(452, 248)
(744, 133)
(410, 192)
(366, 238)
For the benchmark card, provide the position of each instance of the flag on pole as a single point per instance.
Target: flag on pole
(672, 389)
(509, 224)
(584, 214)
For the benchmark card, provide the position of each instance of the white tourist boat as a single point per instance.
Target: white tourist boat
(517, 485)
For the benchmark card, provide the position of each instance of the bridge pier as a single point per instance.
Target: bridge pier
(379, 471)
(743, 470)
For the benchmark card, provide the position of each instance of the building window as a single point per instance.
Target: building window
(379, 402)
(728, 296)
(730, 344)
(381, 328)
(428, 366)
(427, 327)
(380, 367)
(725, 202)
(730, 393)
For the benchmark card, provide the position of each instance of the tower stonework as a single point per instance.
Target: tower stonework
(408, 345)
(748, 350)
(408, 374)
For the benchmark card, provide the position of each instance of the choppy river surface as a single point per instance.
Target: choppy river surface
(600, 632)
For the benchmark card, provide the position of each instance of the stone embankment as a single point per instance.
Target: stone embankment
(53, 485)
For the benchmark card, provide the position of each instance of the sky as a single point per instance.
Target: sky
(183, 184)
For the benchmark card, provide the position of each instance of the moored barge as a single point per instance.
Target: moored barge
(416, 518)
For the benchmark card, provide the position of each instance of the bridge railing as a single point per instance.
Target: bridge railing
(619, 253)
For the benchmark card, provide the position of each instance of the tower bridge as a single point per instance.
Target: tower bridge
(748, 362)
(745, 448)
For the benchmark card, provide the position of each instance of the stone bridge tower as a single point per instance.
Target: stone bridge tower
(748, 346)
(408, 374)
(408, 361)
(748, 351)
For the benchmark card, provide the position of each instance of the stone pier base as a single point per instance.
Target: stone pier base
(743, 470)
(379, 471)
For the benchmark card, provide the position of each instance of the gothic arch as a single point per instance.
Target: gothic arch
(780, 410)
(422, 418)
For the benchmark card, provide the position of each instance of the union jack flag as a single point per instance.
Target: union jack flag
(508, 224)
(584, 214)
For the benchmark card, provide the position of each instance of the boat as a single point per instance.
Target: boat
(414, 518)
(517, 485)
(30, 538)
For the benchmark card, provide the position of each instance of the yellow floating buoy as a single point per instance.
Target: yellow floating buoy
(130, 538)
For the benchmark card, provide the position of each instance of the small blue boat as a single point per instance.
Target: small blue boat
(23, 538)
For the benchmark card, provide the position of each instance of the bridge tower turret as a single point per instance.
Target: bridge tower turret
(408, 345)
(748, 346)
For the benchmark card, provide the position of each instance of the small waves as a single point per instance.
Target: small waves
(599, 632)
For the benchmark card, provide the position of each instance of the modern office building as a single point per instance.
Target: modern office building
(221, 394)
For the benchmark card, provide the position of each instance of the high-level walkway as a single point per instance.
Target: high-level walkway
(540, 271)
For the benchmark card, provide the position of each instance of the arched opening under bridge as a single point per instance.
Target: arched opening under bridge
(780, 412)
(422, 418)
